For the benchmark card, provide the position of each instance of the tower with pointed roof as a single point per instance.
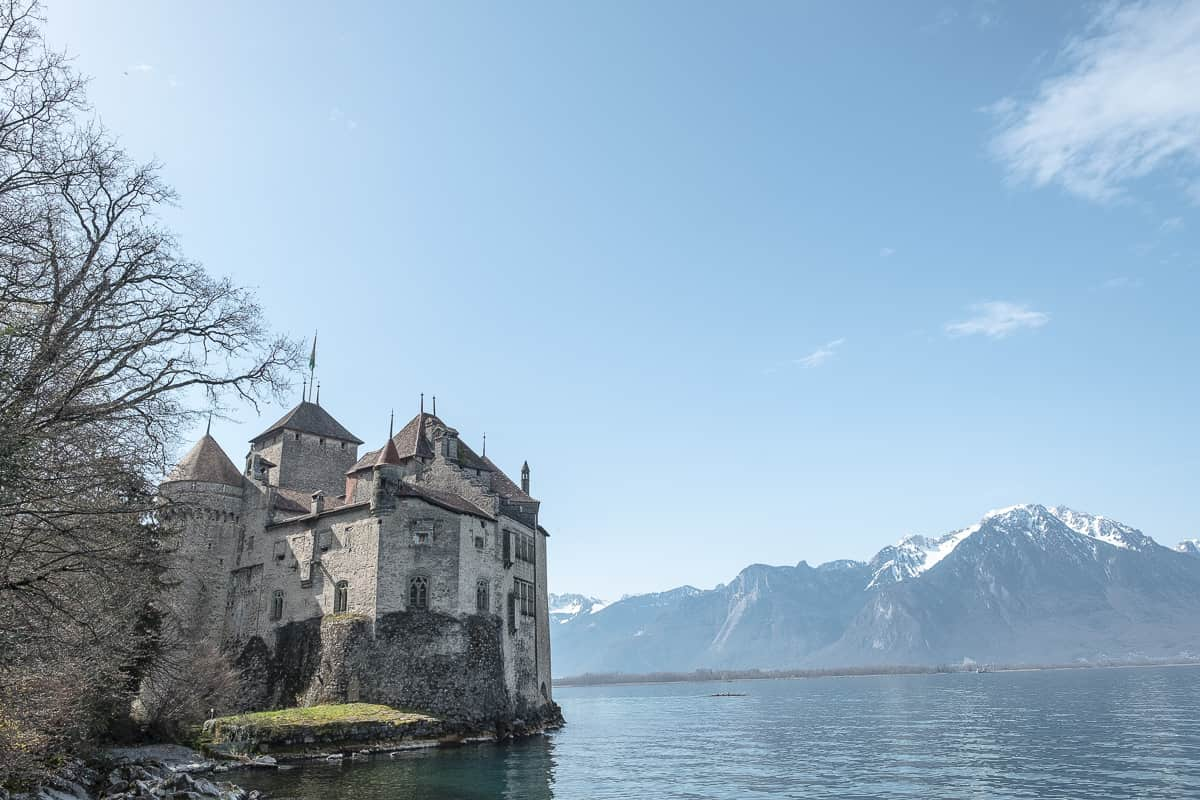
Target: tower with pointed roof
(307, 449)
(204, 495)
(414, 576)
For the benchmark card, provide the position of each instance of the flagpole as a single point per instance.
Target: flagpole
(312, 365)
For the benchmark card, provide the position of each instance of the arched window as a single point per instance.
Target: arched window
(341, 598)
(277, 604)
(481, 597)
(418, 593)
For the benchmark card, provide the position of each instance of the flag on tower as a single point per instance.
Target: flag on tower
(312, 363)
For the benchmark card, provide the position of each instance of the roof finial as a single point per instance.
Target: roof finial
(435, 405)
(485, 443)
(318, 393)
(304, 390)
(208, 427)
(422, 404)
(391, 422)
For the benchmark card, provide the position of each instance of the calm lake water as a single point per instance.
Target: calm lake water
(1113, 733)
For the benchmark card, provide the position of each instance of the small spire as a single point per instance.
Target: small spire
(304, 391)
(435, 405)
(208, 427)
(391, 422)
(422, 404)
(485, 443)
(318, 393)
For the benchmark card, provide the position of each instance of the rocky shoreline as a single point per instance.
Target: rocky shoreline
(174, 772)
(154, 772)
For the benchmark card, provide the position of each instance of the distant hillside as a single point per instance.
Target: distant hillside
(1026, 584)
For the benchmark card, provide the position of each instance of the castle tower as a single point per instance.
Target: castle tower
(306, 450)
(203, 503)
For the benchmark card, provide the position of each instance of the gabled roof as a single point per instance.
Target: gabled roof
(310, 418)
(206, 462)
(411, 439)
(298, 502)
(504, 486)
(447, 500)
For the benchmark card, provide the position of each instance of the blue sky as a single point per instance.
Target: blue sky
(743, 282)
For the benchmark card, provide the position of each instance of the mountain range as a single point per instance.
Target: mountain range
(1026, 584)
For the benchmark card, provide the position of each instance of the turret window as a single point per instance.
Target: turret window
(418, 593)
(341, 597)
(277, 604)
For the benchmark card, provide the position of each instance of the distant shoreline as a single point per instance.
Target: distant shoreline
(718, 676)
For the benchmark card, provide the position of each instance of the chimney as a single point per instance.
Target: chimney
(318, 502)
(525, 477)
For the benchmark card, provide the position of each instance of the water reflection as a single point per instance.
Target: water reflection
(1117, 734)
(518, 770)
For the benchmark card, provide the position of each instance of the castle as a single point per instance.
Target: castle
(413, 576)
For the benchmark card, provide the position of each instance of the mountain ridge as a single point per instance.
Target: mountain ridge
(1025, 583)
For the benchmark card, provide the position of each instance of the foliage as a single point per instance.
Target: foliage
(109, 336)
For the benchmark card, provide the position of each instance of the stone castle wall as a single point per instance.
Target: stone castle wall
(207, 521)
(452, 658)
(306, 462)
(450, 666)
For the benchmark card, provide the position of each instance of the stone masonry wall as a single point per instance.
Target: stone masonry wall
(449, 666)
(207, 522)
(450, 659)
(306, 462)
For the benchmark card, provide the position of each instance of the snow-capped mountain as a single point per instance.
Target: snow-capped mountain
(1024, 584)
(1189, 546)
(565, 607)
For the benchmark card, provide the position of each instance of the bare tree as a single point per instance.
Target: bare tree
(109, 338)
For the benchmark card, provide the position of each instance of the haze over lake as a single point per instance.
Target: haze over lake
(1102, 733)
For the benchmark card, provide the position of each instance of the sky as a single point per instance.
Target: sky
(753, 282)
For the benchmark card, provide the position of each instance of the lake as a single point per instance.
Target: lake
(1101, 733)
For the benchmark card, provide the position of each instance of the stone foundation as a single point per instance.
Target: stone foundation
(447, 666)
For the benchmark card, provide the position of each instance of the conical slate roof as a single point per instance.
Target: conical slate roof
(206, 462)
(387, 454)
(310, 418)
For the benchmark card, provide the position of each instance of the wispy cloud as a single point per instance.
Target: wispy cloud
(887, 252)
(1171, 224)
(821, 355)
(1121, 282)
(142, 68)
(1123, 107)
(997, 319)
